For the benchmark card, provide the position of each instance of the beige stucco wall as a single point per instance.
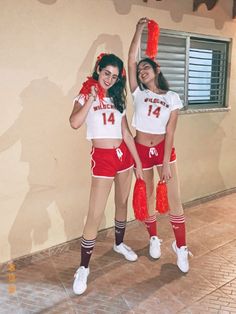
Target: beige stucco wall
(47, 49)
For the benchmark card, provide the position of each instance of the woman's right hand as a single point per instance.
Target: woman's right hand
(93, 93)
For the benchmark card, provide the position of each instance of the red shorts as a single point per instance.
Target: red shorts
(107, 162)
(153, 156)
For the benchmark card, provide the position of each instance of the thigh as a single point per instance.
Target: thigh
(148, 176)
(100, 190)
(150, 188)
(173, 189)
(122, 187)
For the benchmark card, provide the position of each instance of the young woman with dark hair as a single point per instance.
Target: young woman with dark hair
(101, 104)
(155, 119)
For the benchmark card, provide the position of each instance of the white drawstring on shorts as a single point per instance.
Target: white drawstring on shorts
(152, 152)
(119, 153)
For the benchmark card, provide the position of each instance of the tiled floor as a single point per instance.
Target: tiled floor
(145, 286)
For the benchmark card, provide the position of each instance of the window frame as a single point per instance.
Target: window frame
(187, 36)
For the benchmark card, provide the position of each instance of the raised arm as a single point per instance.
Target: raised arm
(133, 53)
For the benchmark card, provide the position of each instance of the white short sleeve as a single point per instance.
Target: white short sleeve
(135, 92)
(80, 99)
(176, 102)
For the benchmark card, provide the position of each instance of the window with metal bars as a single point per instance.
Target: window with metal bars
(195, 67)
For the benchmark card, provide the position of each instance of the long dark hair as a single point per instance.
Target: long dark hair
(118, 91)
(160, 81)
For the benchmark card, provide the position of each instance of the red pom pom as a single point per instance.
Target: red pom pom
(86, 88)
(152, 40)
(140, 200)
(162, 205)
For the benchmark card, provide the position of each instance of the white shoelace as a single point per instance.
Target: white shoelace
(81, 273)
(127, 247)
(188, 252)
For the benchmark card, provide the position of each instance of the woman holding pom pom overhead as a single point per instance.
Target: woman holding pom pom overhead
(155, 119)
(101, 104)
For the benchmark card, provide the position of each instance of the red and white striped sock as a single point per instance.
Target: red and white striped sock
(178, 225)
(151, 224)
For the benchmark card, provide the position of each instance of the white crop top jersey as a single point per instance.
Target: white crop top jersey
(103, 119)
(152, 111)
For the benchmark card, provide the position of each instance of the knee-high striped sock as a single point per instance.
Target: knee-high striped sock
(86, 251)
(119, 231)
(151, 224)
(178, 225)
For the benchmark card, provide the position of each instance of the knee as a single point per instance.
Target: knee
(177, 211)
(175, 202)
(91, 228)
(93, 219)
(122, 205)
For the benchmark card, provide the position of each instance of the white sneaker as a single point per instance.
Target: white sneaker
(126, 251)
(182, 257)
(80, 281)
(155, 247)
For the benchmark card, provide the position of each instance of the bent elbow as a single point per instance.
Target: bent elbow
(75, 127)
(73, 124)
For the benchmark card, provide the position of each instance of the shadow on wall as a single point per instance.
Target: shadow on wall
(46, 148)
(109, 43)
(177, 9)
(55, 164)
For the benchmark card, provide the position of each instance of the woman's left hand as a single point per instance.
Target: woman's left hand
(166, 172)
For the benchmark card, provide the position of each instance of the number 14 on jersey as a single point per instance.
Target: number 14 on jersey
(108, 118)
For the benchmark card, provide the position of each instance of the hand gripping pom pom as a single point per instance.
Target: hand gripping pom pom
(140, 200)
(162, 205)
(86, 88)
(152, 40)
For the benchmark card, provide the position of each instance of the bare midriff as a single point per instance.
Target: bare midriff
(106, 142)
(148, 139)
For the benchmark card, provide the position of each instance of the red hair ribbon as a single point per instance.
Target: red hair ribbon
(99, 57)
(152, 40)
(123, 72)
(86, 88)
(140, 200)
(162, 204)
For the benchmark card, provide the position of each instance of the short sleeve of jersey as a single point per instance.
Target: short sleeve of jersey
(135, 93)
(80, 99)
(176, 102)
